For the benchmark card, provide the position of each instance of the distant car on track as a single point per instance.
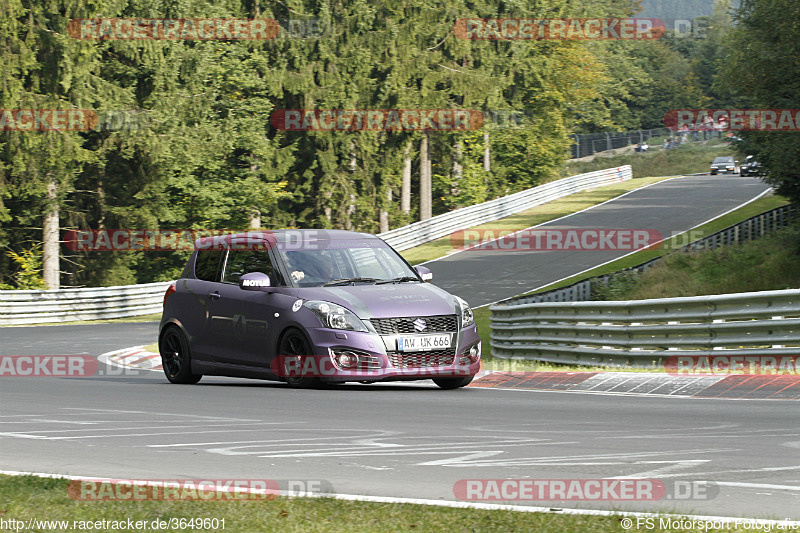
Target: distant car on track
(724, 164)
(310, 307)
(750, 167)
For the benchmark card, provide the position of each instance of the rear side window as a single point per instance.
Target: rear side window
(207, 264)
(241, 262)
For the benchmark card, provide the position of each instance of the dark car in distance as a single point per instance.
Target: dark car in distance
(310, 307)
(750, 167)
(724, 164)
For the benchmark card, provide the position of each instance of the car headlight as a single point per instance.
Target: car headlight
(335, 316)
(467, 316)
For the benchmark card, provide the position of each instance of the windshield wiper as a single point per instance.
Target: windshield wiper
(347, 281)
(398, 280)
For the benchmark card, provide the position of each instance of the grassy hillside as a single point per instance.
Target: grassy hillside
(769, 263)
(686, 159)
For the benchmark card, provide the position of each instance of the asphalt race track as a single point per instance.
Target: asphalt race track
(482, 276)
(738, 458)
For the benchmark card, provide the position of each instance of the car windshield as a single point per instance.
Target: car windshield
(723, 160)
(346, 262)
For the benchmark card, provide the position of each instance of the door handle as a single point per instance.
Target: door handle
(215, 295)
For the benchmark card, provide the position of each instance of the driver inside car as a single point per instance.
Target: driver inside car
(309, 264)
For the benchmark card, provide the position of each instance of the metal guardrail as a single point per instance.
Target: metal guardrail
(40, 307)
(427, 230)
(646, 332)
(752, 228)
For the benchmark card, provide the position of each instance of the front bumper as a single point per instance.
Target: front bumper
(723, 169)
(377, 363)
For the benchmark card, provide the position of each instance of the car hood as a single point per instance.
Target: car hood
(386, 301)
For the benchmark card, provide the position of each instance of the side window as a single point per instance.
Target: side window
(206, 264)
(241, 262)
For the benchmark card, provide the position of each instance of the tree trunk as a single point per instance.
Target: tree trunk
(351, 209)
(327, 209)
(425, 180)
(255, 218)
(50, 259)
(405, 186)
(383, 216)
(486, 154)
(255, 212)
(458, 169)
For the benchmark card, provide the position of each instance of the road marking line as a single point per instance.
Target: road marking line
(462, 504)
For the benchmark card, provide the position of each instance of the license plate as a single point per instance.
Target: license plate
(424, 343)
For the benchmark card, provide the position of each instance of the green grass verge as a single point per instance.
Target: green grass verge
(531, 217)
(769, 263)
(26, 497)
(686, 159)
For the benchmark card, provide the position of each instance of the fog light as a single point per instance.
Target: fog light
(474, 353)
(347, 360)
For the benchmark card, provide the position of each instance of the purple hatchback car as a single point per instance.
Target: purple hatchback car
(310, 307)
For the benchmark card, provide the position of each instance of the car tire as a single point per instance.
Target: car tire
(175, 357)
(453, 383)
(713, 172)
(294, 343)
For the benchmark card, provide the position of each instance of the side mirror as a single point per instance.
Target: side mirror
(425, 273)
(254, 281)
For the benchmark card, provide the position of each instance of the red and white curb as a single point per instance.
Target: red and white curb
(762, 387)
(134, 358)
(725, 386)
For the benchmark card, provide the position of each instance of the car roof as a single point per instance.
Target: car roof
(272, 237)
(724, 158)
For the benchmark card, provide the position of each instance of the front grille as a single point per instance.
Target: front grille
(434, 324)
(422, 359)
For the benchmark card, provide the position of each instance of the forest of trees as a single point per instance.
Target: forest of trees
(185, 141)
(761, 70)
